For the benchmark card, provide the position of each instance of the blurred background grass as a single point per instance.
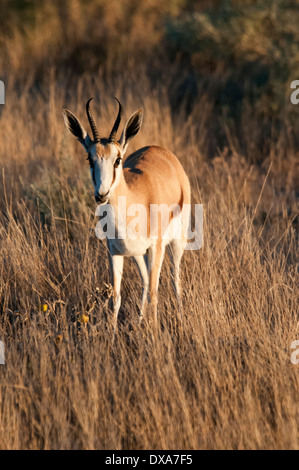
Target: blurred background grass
(242, 55)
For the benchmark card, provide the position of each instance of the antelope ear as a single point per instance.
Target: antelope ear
(131, 128)
(75, 127)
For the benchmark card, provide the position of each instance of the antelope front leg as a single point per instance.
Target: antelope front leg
(141, 262)
(116, 270)
(155, 259)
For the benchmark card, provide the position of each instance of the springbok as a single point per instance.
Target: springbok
(151, 176)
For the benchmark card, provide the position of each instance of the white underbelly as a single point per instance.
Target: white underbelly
(122, 241)
(128, 247)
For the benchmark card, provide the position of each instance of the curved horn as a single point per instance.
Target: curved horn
(93, 126)
(117, 121)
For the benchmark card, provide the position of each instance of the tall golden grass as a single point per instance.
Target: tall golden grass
(221, 379)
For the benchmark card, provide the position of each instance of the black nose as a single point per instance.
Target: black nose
(100, 197)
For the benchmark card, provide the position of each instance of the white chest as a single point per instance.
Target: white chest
(122, 239)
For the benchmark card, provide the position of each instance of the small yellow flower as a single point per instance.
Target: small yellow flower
(83, 318)
(43, 307)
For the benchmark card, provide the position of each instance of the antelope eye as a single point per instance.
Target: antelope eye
(117, 161)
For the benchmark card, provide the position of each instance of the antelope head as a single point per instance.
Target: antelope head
(105, 155)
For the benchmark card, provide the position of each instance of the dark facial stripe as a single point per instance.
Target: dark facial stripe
(114, 172)
(93, 177)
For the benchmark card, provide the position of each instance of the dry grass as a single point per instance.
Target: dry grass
(223, 378)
